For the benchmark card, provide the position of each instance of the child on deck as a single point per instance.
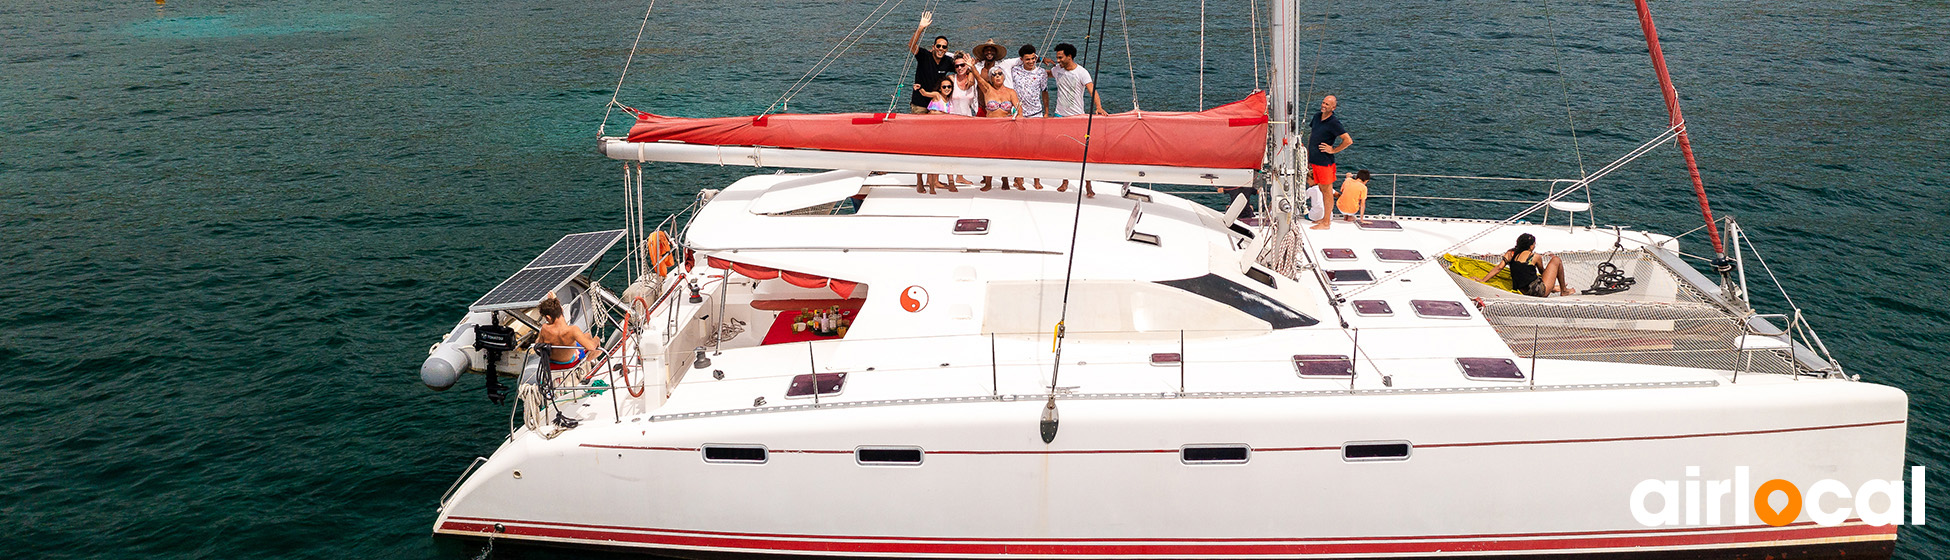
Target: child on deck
(1353, 199)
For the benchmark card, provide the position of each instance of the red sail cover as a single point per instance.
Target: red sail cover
(1231, 136)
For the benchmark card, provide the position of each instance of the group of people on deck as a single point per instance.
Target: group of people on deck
(983, 83)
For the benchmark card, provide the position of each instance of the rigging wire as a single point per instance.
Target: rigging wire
(928, 8)
(846, 42)
(1252, 8)
(1076, 223)
(613, 104)
(1130, 64)
(1551, 25)
(1201, 55)
(1056, 22)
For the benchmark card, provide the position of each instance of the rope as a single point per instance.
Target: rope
(531, 407)
(613, 103)
(1076, 217)
(833, 54)
(1667, 136)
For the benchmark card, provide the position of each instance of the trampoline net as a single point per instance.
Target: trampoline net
(1660, 320)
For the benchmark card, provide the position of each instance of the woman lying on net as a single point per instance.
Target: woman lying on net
(1525, 263)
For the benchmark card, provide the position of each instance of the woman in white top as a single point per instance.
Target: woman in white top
(964, 101)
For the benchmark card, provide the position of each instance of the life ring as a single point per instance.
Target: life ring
(662, 259)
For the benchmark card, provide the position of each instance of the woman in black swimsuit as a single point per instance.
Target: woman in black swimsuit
(1524, 265)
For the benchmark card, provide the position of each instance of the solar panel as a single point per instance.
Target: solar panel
(548, 272)
(525, 288)
(579, 248)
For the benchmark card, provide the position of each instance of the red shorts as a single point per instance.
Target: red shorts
(1322, 174)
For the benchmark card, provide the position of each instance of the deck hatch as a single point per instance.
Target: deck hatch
(1372, 308)
(1398, 255)
(1215, 454)
(1439, 309)
(887, 455)
(734, 453)
(1385, 225)
(1350, 276)
(1490, 369)
(829, 384)
(972, 226)
(1237, 296)
(1338, 254)
(1323, 365)
(1355, 452)
(1262, 276)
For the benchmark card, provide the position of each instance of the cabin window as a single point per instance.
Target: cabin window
(881, 456)
(734, 454)
(1215, 454)
(1375, 451)
(1236, 296)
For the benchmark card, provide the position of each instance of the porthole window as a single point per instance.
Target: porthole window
(887, 456)
(734, 454)
(1375, 451)
(1215, 454)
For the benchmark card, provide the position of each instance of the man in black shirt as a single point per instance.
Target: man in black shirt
(930, 66)
(1326, 137)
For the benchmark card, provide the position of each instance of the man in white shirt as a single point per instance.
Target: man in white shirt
(1072, 81)
(1030, 80)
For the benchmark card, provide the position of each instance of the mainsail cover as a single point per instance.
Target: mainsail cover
(1230, 136)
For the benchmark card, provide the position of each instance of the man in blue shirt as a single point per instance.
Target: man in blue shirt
(1327, 137)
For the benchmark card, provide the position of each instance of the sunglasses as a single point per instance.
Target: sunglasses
(940, 46)
(961, 65)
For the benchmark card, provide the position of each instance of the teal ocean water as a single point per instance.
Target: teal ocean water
(230, 228)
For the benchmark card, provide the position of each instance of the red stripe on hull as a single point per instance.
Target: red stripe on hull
(1588, 543)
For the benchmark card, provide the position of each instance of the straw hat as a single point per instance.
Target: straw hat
(988, 47)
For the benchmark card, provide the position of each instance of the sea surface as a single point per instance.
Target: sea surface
(229, 229)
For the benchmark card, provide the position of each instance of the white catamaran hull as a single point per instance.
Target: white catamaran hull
(1518, 473)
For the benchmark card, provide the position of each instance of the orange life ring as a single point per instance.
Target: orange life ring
(661, 257)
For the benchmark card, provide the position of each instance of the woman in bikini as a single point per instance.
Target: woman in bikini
(569, 346)
(1525, 264)
(1000, 103)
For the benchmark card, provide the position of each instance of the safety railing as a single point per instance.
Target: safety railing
(1248, 363)
(1395, 196)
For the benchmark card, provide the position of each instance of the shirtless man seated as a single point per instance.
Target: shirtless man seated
(569, 346)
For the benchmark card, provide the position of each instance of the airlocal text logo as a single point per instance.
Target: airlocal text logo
(1749, 502)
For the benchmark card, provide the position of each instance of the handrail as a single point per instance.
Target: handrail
(449, 494)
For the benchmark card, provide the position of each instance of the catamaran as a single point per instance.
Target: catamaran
(825, 363)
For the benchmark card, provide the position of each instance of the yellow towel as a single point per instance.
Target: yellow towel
(1476, 268)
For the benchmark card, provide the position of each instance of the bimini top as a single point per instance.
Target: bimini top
(1231, 136)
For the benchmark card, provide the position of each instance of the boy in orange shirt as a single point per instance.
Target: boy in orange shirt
(1353, 199)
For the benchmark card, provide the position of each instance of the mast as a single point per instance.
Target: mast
(1720, 263)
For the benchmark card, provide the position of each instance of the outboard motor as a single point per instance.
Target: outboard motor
(494, 339)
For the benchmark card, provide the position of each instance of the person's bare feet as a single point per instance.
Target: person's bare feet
(1039, 184)
(1321, 226)
(963, 180)
(1569, 292)
(1063, 187)
(1087, 191)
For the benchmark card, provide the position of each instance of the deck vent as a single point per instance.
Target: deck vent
(1354, 452)
(734, 454)
(887, 455)
(1439, 309)
(1338, 254)
(1352, 276)
(972, 226)
(1398, 255)
(1215, 454)
(1323, 366)
(1372, 308)
(1385, 225)
(829, 384)
(1490, 369)
(1133, 194)
(1167, 359)
(1262, 276)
